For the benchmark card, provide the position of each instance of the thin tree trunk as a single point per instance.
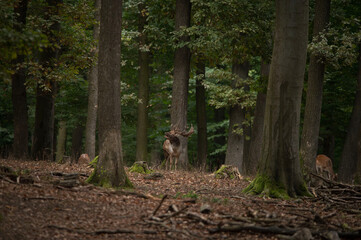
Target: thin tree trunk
(348, 163)
(257, 127)
(280, 170)
(201, 116)
(91, 121)
(20, 107)
(181, 78)
(143, 91)
(61, 140)
(76, 143)
(235, 142)
(220, 140)
(312, 117)
(110, 167)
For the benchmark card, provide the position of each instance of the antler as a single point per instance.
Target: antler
(176, 131)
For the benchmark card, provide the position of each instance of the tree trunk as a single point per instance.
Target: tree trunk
(235, 142)
(20, 107)
(91, 121)
(110, 167)
(349, 153)
(181, 79)
(280, 170)
(255, 148)
(201, 116)
(312, 117)
(220, 140)
(76, 143)
(43, 138)
(61, 140)
(143, 89)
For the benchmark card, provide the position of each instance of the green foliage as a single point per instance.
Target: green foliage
(190, 194)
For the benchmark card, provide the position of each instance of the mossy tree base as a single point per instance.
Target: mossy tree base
(140, 167)
(263, 185)
(227, 171)
(105, 176)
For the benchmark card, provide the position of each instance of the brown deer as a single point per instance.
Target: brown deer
(324, 164)
(171, 146)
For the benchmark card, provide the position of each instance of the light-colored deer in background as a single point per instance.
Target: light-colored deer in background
(172, 146)
(324, 164)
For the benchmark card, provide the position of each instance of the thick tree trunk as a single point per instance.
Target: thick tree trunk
(180, 80)
(61, 140)
(235, 142)
(143, 89)
(255, 148)
(20, 107)
(280, 170)
(312, 117)
(43, 138)
(91, 121)
(110, 167)
(349, 157)
(201, 116)
(76, 143)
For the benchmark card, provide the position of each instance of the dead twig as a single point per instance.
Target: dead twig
(159, 205)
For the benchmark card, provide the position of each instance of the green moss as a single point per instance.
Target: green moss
(128, 184)
(101, 179)
(262, 185)
(226, 171)
(94, 162)
(140, 167)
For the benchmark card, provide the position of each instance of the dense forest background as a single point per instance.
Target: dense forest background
(51, 45)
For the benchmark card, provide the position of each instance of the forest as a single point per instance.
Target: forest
(90, 90)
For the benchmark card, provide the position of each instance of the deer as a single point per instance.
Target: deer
(324, 164)
(172, 146)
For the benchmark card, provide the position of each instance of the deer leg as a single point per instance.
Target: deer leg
(175, 163)
(171, 162)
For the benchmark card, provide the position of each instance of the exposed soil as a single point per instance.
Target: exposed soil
(52, 201)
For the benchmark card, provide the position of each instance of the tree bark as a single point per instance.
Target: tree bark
(110, 167)
(43, 139)
(220, 140)
(312, 117)
(91, 121)
(235, 142)
(76, 143)
(255, 148)
(20, 107)
(280, 170)
(201, 116)
(348, 164)
(180, 80)
(61, 140)
(143, 89)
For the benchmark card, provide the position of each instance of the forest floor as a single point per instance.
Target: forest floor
(52, 201)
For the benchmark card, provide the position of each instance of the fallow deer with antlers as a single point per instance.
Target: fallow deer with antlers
(172, 146)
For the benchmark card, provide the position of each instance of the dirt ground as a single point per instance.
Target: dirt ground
(52, 201)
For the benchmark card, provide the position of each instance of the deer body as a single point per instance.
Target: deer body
(324, 164)
(172, 146)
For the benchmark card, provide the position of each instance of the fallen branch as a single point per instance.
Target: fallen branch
(103, 231)
(159, 205)
(251, 227)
